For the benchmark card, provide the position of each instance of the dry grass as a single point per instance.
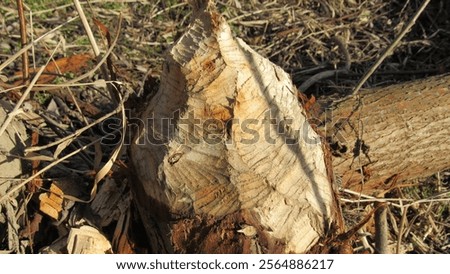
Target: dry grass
(304, 37)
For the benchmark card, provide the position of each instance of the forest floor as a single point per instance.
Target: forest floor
(68, 114)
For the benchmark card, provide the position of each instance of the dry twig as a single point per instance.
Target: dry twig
(391, 48)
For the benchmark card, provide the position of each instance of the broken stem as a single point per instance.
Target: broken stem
(23, 40)
(381, 229)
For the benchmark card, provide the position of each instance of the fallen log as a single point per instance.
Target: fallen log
(389, 135)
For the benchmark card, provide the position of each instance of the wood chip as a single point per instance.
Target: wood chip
(87, 240)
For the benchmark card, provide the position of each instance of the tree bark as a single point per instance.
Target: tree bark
(391, 134)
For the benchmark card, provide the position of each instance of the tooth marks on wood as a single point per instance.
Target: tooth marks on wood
(238, 141)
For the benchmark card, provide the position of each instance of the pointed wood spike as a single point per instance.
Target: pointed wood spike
(227, 136)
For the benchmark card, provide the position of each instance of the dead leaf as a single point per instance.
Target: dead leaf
(71, 64)
(32, 227)
(104, 30)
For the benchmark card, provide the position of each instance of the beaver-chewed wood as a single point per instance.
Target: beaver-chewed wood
(225, 159)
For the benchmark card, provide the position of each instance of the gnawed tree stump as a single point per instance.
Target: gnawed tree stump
(225, 158)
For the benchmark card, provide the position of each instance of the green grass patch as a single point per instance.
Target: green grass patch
(37, 5)
(42, 97)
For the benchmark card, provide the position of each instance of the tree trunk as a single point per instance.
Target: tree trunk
(225, 158)
(391, 134)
